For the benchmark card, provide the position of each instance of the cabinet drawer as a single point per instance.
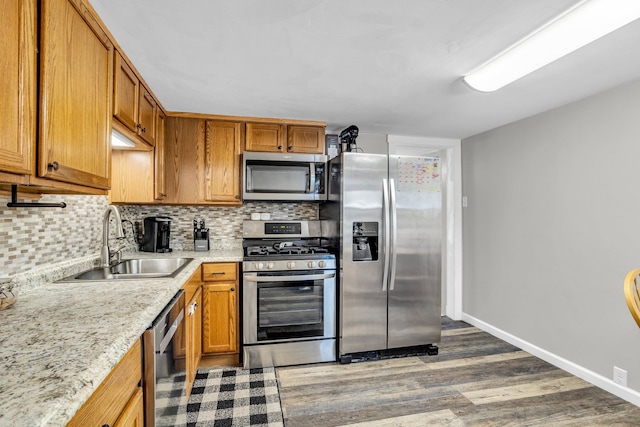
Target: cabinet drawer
(219, 272)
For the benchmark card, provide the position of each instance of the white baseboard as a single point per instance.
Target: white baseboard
(597, 380)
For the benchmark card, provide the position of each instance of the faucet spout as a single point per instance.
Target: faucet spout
(105, 254)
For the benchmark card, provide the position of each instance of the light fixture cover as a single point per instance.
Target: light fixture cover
(577, 27)
(119, 140)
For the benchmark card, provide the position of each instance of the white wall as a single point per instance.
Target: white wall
(551, 229)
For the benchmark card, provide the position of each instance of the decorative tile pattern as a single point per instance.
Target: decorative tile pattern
(224, 223)
(35, 237)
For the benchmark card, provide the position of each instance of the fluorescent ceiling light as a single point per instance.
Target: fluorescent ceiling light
(119, 140)
(579, 26)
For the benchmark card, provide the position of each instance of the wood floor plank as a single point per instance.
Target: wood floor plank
(436, 418)
(519, 391)
(476, 380)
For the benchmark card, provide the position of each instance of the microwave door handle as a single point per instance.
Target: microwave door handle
(312, 178)
(249, 184)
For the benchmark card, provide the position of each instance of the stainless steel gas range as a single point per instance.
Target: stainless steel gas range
(289, 295)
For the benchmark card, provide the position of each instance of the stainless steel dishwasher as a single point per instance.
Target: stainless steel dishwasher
(164, 373)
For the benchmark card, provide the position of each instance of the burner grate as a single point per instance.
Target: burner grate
(284, 250)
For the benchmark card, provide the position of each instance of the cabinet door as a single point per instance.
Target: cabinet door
(76, 78)
(126, 91)
(132, 176)
(194, 332)
(182, 147)
(133, 414)
(219, 333)
(264, 137)
(113, 396)
(148, 110)
(17, 85)
(305, 139)
(222, 162)
(197, 331)
(160, 191)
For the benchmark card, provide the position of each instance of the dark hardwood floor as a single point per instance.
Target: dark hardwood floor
(476, 380)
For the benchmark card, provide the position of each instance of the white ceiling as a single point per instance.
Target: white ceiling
(390, 67)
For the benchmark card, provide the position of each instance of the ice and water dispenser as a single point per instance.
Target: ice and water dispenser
(365, 241)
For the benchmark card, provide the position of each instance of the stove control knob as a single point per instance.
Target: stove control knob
(270, 265)
(259, 266)
(322, 264)
(291, 265)
(312, 264)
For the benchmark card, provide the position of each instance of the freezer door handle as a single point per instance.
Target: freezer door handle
(394, 233)
(387, 242)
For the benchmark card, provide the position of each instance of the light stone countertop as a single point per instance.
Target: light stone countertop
(60, 340)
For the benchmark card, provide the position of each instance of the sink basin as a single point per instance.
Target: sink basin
(132, 269)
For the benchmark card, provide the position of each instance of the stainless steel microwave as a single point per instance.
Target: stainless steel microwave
(283, 176)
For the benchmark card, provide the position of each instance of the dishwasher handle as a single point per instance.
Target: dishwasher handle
(171, 332)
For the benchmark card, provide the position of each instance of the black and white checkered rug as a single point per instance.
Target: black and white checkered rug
(234, 397)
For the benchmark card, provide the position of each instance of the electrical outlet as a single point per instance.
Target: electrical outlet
(620, 376)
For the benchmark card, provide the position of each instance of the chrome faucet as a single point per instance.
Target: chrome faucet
(105, 255)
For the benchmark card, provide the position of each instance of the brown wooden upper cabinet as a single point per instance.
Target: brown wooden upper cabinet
(280, 137)
(72, 139)
(18, 87)
(126, 91)
(133, 105)
(160, 187)
(265, 137)
(76, 77)
(305, 139)
(221, 180)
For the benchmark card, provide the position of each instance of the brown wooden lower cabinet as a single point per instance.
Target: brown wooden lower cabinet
(220, 311)
(220, 318)
(118, 400)
(133, 414)
(194, 334)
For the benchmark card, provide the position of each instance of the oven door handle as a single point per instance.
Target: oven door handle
(288, 278)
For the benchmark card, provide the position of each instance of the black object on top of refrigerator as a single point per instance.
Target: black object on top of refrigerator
(384, 218)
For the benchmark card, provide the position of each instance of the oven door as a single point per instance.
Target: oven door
(288, 306)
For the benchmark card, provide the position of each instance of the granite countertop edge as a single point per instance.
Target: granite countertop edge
(61, 340)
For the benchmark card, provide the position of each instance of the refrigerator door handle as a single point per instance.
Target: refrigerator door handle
(394, 233)
(387, 242)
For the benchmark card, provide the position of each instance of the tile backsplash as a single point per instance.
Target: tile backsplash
(35, 237)
(224, 223)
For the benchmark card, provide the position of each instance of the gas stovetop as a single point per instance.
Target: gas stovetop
(283, 248)
(290, 257)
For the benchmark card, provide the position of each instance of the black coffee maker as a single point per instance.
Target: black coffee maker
(157, 230)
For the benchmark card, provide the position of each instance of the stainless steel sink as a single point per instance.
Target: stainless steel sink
(132, 269)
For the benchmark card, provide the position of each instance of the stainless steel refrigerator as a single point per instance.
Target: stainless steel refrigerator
(384, 214)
